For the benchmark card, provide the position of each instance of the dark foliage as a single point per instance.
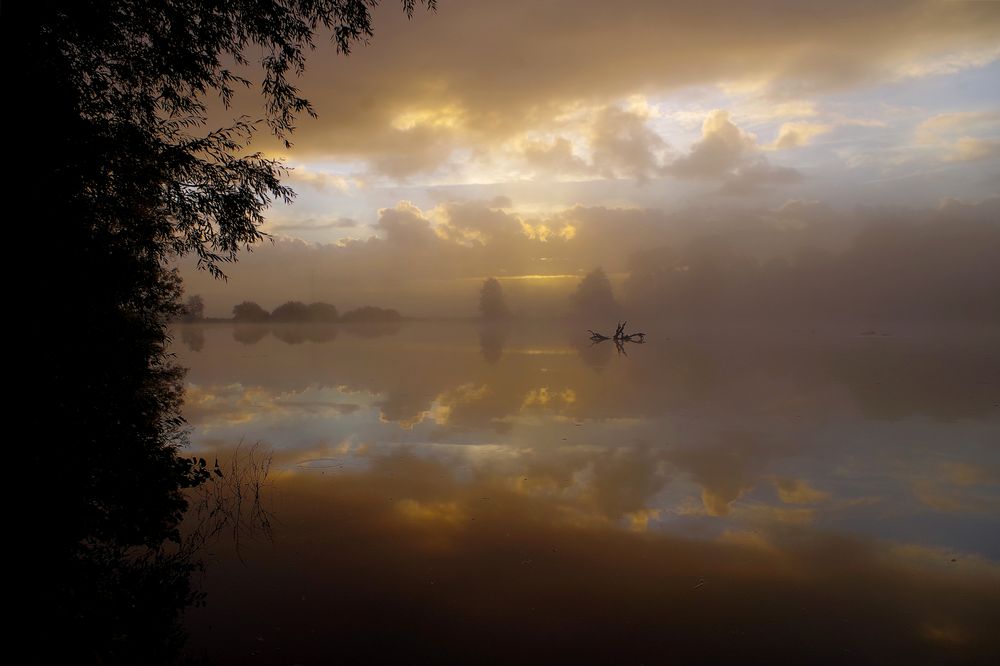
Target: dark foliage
(290, 311)
(321, 313)
(109, 102)
(248, 311)
(492, 304)
(193, 309)
(297, 311)
(370, 313)
(594, 296)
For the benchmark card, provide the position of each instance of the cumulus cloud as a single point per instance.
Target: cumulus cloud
(427, 87)
(479, 223)
(405, 226)
(723, 146)
(795, 135)
(554, 158)
(624, 145)
(617, 142)
(727, 152)
(414, 150)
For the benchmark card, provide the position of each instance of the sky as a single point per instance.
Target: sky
(537, 140)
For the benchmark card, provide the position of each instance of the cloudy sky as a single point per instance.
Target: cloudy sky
(538, 138)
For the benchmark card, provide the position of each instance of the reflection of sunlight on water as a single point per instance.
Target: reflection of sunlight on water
(781, 471)
(735, 427)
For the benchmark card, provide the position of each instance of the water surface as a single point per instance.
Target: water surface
(446, 492)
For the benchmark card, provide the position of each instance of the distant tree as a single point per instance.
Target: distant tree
(370, 313)
(321, 313)
(249, 312)
(296, 311)
(492, 304)
(194, 309)
(594, 296)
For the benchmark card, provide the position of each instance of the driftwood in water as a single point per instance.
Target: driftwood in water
(619, 336)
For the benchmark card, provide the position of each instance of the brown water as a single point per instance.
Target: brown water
(444, 493)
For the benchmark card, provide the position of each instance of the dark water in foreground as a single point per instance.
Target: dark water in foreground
(446, 493)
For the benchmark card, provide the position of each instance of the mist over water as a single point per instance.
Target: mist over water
(511, 491)
(802, 259)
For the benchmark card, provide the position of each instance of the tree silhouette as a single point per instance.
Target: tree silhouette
(321, 313)
(370, 313)
(126, 175)
(248, 312)
(297, 311)
(594, 296)
(194, 309)
(492, 304)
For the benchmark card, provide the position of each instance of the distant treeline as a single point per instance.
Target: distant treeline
(318, 313)
(943, 266)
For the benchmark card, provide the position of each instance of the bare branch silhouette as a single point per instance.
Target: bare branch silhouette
(620, 336)
(233, 499)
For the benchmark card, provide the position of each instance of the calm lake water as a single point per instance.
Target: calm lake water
(446, 493)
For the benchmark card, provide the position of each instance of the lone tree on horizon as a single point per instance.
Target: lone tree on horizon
(594, 296)
(492, 303)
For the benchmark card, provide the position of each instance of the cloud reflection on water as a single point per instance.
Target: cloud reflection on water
(855, 478)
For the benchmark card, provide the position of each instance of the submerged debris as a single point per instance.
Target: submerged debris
(620, 337)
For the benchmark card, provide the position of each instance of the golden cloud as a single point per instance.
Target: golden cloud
(477, 74)
(794, 135)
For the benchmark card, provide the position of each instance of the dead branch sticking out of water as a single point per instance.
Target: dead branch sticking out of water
(619, 336)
